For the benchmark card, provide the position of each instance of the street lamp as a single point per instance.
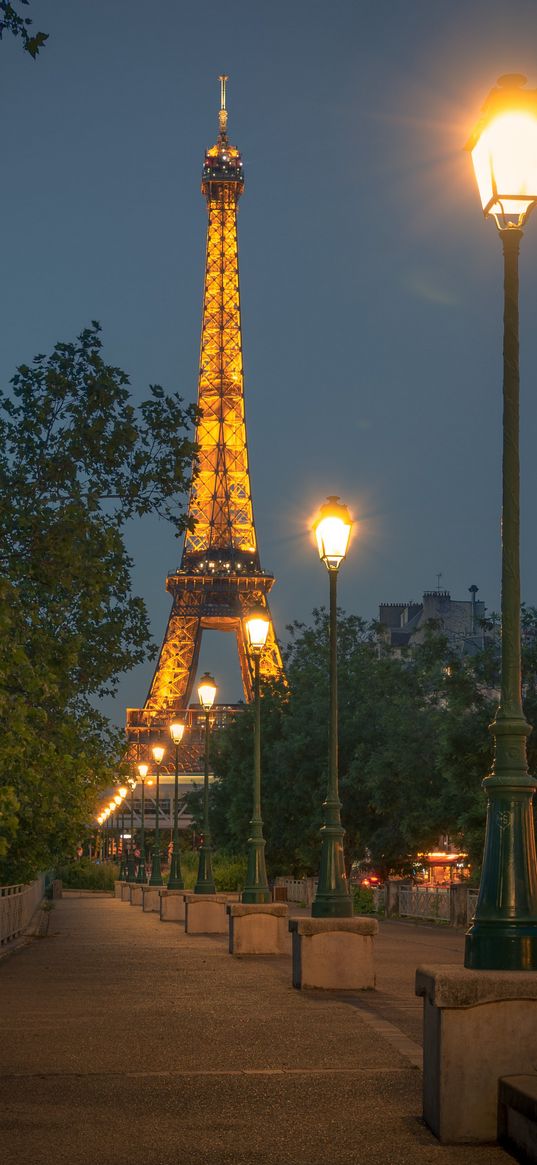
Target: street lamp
(123, 865)
(131, 871)
(205, 883)
(332, 529)
(175, 880)
(503, 935)
(256, 889)
(156, 876)
(142, 876)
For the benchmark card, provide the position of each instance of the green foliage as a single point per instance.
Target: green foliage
(86, 875)
(12, 21)
(414, 746)
(364, 902)
(229, 872)
(78, 460)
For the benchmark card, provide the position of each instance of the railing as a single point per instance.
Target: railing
(471, 903)
(17, 905)
(424, 902)
(299, 889)
(379, 899)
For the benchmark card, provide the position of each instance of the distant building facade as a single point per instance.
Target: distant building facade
(405, 625)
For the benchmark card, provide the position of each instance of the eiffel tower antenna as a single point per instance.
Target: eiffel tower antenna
(220, 577)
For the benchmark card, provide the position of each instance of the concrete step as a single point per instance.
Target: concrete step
(517, 1117)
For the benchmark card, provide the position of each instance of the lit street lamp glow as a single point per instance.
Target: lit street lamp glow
(156, 875)
(141, 876)
(175, 880)
(503, 934)
(256, 888)
(205, 880)
(332, 529)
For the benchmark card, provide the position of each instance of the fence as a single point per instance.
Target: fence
(424, 902)
(17, 905)
(299, 889)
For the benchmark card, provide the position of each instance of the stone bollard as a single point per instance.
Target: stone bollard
(477, 1027)
(125, 892)
(258, 928)
(151, 899)
(333, 953)
(172, 905)
(206, 913)
(117, 889)
(137, 896)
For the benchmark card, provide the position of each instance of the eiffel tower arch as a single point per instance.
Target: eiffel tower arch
(220, 576)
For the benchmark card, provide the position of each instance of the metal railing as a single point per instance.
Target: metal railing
(17, 905)
(471, 903)
(424, 902)
(299, 889)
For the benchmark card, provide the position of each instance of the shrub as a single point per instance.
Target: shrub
(85, 875)
(364, 902)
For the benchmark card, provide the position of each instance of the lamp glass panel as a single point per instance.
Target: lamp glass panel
(206, 694)
(257, 629)
(158, 753)
(332, 539)
(505, 164)
(176, 732)
(143, 771)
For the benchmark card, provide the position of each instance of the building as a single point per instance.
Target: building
(403, 626)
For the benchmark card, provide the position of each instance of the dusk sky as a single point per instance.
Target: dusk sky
(371, 284)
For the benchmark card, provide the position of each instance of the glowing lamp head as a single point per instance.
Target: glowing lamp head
(257, 625)
(122, 791)
(158, 753)
(503, 146)
(143, 771)
(112, 807)
(332, 530)
(176, 732)
(118, 799)
(206, 691)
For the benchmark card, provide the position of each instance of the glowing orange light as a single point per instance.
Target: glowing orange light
(504, 152)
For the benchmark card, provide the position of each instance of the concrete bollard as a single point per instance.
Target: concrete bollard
(477, 1027)
(137, 896)
(258, 928)
(125, 892)
(117, 889)
(151, 899)
(206, 914)
(172, 905)
(333, 953)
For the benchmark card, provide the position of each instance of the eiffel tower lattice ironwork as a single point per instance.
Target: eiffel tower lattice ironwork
(220, 576)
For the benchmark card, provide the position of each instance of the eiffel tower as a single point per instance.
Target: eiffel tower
(220, 577)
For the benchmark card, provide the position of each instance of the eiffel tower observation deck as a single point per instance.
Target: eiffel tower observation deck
(220, 577)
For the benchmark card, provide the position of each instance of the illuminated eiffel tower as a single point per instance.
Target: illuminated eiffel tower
(220, 576)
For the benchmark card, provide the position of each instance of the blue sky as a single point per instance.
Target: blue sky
(371, 285)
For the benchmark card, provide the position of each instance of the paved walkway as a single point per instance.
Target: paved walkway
(125, 1041)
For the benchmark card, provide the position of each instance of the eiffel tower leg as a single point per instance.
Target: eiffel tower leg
(205, 883)
(256, 889)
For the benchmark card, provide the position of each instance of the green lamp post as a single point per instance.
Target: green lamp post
(116, 803)
(123, 865)
(175, 880)
(141, 876)
(156, 875)
(256, 889)
(131, 864)
(503, 934)
(205, 882)
(332, 900)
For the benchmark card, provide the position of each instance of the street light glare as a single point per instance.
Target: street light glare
(332, 530)
(158, 753)
(206, 691)
(257, 627)
(504, 152)
(177, 732)
(143, 771)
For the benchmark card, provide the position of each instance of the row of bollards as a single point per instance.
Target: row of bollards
(330, 953)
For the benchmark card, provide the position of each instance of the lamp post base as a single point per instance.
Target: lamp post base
(175, 880)
(501, 946)
(156, 875)
(205, 882)
(141, 876)
(256, 889)
(332, 899)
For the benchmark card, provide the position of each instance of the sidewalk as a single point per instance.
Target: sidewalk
(123, 1040)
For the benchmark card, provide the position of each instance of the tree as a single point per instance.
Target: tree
(12, 21)
(78, 460)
